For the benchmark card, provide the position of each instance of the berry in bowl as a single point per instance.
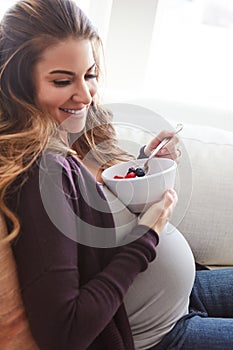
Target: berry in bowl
(131, 173)
(137, 190)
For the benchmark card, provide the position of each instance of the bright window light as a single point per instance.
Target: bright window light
(192, 53)
(4, 5)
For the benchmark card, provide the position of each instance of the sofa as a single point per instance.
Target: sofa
(204, 182)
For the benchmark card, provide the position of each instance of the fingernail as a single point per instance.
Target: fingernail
(164, 150)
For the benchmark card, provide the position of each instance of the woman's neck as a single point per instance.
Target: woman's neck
(92, 165)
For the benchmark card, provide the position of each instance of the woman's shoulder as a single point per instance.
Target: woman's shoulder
(53, 163)
(50, 166)
(53, 160)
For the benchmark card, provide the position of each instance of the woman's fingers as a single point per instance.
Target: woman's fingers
(159, 213)
(170, 201)
(156, 141)
(170, 150)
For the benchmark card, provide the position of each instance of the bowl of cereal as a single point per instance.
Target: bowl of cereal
(137, 190)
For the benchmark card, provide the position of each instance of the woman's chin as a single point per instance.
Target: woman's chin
(73, 124)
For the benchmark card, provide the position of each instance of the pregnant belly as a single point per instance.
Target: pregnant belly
(160, 295)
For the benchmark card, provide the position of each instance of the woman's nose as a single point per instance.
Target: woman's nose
(82, 93)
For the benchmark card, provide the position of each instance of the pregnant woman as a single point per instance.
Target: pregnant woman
(55, 140)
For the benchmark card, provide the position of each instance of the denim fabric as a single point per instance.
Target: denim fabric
(209, 324)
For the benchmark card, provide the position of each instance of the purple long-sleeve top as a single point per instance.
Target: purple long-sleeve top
(72, 292)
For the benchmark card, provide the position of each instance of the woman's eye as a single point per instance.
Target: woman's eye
(90, 76)
(62, 82)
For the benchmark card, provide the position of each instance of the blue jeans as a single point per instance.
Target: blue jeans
(209, 324)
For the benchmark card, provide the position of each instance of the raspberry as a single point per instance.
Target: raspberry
(130, 175)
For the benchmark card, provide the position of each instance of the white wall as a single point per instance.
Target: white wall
(128, 42)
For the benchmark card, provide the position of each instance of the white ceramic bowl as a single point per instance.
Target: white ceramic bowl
(140, 192)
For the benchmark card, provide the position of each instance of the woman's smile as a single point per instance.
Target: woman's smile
(73, 111)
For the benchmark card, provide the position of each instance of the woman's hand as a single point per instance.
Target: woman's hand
(159, 213)
(171, 149)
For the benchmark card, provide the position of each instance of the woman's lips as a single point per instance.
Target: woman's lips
(75, 112)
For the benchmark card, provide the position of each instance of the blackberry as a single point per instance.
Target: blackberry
(131, 170)
(140, 172)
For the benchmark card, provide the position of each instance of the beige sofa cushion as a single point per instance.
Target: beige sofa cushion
(14, 328)
(208, 222)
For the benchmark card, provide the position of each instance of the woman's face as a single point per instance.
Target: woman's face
(65, 82)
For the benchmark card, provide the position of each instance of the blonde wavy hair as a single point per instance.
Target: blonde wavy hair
(27, 29)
